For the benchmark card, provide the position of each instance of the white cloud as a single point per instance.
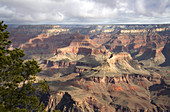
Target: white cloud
(140, 7)
(84, 11)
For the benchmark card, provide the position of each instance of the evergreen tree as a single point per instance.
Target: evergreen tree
(17, 77)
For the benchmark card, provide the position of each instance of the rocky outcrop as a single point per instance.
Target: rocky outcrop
(81, 50)
(105, 93)
(126, 42)
(152, 52)
(119, 57)
(143, 30)
(59, 64)
(82, 45)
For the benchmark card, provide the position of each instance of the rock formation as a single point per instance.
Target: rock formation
(111, 68)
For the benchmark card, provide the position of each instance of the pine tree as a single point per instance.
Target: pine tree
(17, 77)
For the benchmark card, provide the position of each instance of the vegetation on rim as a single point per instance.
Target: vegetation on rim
(17, 79)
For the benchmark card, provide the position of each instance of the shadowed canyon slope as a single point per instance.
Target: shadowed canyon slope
(94, 68)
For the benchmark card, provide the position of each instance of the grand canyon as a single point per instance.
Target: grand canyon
(100, 68)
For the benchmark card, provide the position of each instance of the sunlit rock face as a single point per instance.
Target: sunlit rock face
(100, 68)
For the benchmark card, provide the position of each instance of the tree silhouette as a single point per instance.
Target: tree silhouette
(17, 78)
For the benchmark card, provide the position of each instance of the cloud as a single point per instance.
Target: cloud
(85, 11)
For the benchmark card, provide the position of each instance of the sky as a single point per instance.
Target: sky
(85, 11)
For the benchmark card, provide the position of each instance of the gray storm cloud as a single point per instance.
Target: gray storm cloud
(84, 11)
